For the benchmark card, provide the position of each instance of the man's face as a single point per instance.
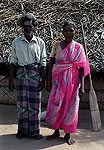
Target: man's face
(28, 28)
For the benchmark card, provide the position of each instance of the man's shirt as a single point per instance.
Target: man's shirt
(24, 52)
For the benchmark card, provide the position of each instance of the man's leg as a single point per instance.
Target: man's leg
(34, 106)
(22, 107)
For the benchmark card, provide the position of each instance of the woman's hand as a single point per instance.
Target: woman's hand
(81, 92)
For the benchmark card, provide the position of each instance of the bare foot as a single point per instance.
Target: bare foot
(68, 140)
(53, 136)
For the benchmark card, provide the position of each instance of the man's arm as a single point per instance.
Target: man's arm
(42, 75)
(12, 73)
(42, 66)
(49, 79)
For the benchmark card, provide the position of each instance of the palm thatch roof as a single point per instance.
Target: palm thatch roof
(51, 15)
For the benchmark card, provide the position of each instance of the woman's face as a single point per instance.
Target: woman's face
(69, 33)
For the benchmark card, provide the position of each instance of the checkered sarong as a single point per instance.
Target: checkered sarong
(28, 100)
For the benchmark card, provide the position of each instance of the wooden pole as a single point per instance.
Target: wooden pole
(95, 114)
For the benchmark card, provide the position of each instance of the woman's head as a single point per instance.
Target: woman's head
(69, 29)
(70, 23)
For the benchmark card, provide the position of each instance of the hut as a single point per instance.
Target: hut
(51, 15)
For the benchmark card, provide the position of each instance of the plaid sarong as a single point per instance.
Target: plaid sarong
(28, 100)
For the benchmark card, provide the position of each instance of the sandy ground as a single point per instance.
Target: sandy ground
(85, 138)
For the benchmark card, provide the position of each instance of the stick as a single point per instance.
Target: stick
(95, 114)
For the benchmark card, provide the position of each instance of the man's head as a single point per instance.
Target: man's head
(28, 17)
(28, 23)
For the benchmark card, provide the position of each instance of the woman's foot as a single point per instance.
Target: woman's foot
(53, 136)
(68, 140)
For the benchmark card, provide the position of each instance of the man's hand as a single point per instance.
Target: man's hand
(42, 81)
(41, 85)
(49, 86)
(11, 85)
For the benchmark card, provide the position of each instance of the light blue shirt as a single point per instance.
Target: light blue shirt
(24, 52)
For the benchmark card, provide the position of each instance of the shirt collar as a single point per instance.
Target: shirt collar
(33, 38)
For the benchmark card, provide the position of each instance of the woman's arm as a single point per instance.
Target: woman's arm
(81, 76)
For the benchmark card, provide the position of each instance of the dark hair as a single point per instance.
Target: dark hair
(69, 23)
(27, 17)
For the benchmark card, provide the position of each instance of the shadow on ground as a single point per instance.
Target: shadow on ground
(9, 142)
(27, 143)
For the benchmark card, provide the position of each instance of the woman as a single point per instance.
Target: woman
(69, 66)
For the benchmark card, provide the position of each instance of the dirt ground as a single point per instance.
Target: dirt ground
(85, 138)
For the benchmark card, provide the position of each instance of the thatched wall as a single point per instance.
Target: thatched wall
(51, 14)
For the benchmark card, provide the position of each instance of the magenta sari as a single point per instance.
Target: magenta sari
(63, 104)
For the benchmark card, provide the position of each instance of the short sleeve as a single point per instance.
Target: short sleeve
(82, 59)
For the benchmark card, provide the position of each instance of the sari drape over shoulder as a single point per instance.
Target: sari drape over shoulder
(63, 104)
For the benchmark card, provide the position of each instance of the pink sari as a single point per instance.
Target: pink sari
(62, 110)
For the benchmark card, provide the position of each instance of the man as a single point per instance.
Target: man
(29, 57)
